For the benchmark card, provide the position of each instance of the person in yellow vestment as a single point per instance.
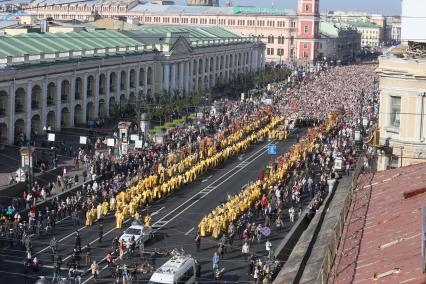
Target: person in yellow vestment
(119, 219)
(105, 207)
(89, 220)
(148, 220)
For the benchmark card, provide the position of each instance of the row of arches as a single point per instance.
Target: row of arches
(52, 98)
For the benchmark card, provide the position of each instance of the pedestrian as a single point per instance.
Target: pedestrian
(291, 214)
(215, 261)
(245, 249)
(268, 246)
(121, 248)
(198, 241)
(95, 270)
(77, 241)
(88, 254)
(101, 230)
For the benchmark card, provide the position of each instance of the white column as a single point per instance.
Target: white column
(84, 106)
(96, 102)
(181, 73)
(145, 81)
(187, 77)
(72, 101)
(214, 71)
(207, 74)
(118, 84)
(263, 58)
(12, 113)
(58, 105)
(138, 74)
(28, 110)
(191, 76)
(173, 79)
(44, 103)
(128, 83)
(108, 93)
(197, 74)
(166, 77)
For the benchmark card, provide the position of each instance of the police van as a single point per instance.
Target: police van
(177, 270)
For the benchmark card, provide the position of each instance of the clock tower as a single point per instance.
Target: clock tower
(308, 31)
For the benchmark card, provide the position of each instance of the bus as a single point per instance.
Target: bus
(177, 270)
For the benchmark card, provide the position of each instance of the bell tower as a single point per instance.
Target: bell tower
(308, 31)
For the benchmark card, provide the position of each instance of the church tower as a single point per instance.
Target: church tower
(308, 31)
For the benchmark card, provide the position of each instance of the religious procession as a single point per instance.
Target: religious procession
(217, 222)
(178, 173)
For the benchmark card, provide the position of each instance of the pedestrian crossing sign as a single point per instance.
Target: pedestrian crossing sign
(272, 150)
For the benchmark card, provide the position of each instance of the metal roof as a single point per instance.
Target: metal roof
(386, 228)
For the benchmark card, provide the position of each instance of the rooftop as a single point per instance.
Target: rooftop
(388, 236)
(362, 24)
(182, 9)
(38, 46)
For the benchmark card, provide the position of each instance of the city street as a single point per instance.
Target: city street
(175, 221)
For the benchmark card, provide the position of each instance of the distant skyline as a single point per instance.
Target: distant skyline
(386, 7)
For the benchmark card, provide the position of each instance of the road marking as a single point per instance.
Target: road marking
(190, 230)
(207, 178)
(212, 188)
(40, 265)
(161, 223)
(158, 211)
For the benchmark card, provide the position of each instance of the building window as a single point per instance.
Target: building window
(306, 29)
(395, 115)
(307, 8)
(271, 39)
(305, 45)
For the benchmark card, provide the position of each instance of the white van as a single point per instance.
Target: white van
(177, 270)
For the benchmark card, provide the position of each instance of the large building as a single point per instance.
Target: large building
(339, 43)
(402, 118)
(58, 80)
(371, 33)
(289, 35)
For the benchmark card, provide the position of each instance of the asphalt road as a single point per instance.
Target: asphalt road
(175, 220)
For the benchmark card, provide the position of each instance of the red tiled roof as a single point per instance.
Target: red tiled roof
(381, 241)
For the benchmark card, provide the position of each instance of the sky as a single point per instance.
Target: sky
(386, 7)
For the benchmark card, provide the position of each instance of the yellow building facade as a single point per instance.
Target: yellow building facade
(402, 118)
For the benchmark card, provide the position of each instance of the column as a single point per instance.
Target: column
(58, 115)
(12, 113)
(108, 93)
(173, 79)
(190, 75)
(28, 110)
(207, 74)
(128, 83)
(196, 68)
(181, 73)
(166, 77)
(145, 81)
(84, 106)
(118, 84)
(213, 83)
(44, 103)
(72, 101)
(187, 77)
(138, 74)
(96, 102)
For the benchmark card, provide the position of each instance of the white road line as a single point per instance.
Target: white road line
(190, 230)
(40, 265)
(161, 223)
(212, 189)
(158, 211)
(64, 238)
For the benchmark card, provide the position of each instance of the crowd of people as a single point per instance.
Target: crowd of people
(121, 185)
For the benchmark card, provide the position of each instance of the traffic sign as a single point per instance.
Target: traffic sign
(266, 231)
(272, 150)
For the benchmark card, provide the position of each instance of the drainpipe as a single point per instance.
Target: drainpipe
(422, 96)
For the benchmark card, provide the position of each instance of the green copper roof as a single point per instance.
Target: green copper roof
(36, 43)
(361, 24)
(329, 29)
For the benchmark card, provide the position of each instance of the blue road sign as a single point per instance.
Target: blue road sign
(266, 231)
(272, 150)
